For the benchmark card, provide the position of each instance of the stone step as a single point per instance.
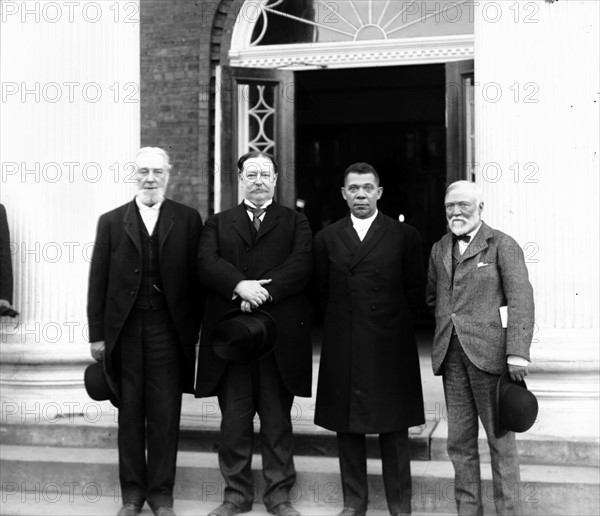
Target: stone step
(108, 506)
(192, 438)
(532, 448)
(39, 475)
(427, 442)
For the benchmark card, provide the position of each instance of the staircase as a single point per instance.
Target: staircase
(58, 456)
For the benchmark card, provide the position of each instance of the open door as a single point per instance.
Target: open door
(460, 118)
(256, 113)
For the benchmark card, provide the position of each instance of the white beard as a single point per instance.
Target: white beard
(151, 197)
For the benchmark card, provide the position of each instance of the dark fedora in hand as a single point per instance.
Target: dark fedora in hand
(96, 383)
(242, 337)
(516, 407)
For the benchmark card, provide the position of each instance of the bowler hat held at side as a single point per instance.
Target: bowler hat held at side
(96, 383)
(516, 407)
(242, 337)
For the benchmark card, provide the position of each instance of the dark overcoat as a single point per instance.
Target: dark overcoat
(491, 273)
(282, 252)
(369, 375)
(116, 275)
(6, 274)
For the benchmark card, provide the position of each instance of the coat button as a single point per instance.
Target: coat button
(373, 307)
(135, 271)
(132, 293)
(245, 269)
(247, 249)
(453, 315)
(349, 274)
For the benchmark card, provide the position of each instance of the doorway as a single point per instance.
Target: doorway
(390, 117)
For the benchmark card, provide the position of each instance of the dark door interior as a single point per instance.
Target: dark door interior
(391, 117)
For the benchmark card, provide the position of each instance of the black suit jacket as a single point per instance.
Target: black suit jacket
(6, 274)
(116, 274)
(282, 252)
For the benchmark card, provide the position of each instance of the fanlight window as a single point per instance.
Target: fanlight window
(326, 21)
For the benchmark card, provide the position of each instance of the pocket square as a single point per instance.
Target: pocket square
(481, 264)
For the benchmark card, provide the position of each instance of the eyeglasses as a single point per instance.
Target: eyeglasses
(252, 177)
(462, 206)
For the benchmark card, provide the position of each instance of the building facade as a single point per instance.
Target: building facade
(427, 91)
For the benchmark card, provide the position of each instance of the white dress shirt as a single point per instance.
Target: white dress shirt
(361, 226)
(252, 205)
(149, 214)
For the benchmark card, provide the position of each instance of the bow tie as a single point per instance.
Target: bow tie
(464, 238)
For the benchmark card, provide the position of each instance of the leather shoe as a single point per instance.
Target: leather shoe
(163, 510)
(229, 509)
(351, 511)
(284, 509)
(129, 509)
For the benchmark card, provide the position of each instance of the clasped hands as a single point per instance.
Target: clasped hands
(252, 293)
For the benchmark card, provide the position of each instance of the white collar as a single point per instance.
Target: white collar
(144, 207)
(252, 205)
(363, 222)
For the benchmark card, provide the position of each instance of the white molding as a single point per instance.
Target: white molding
(393, 52)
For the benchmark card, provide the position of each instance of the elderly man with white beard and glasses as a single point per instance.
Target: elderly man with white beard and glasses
(476, 274)
(144, 309)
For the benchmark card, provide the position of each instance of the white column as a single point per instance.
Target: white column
(537, 104)
(70, 124)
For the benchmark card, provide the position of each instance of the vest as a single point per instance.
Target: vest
(151, 293)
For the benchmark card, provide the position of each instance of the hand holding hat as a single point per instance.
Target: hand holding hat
(516, 407)
(96, 384)
(242, 337)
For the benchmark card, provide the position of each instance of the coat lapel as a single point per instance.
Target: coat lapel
(374, 235)
(270, 220)
(447, 253)
(349, 236)
(239, 221)
(166, 221)
(131, 225)
(479, 243)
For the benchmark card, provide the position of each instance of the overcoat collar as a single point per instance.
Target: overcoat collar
(240, 219)
(479, 243)
(361, 249)
(166, 220)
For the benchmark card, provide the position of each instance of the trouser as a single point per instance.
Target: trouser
(395, 462)
(244, 390)
(471, 392)
(150, 407)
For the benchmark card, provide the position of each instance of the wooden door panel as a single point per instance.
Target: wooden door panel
(257, 108)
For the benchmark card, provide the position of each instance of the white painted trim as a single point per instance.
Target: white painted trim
(304, 56)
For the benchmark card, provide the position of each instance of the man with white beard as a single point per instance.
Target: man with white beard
(144, 309)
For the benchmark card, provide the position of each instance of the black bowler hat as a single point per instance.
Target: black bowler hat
(516, 407)
(96, 383)
(242, 336)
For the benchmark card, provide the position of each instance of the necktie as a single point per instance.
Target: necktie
(256, 213)
(464, 238)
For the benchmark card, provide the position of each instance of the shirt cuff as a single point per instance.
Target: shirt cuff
(517, 360)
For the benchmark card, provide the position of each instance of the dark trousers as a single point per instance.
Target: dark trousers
(244, 390)
(150, 407)
(395, 462)
(471, 392)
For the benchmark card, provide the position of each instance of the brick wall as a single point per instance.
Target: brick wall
(171, 63)
(182, 41)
